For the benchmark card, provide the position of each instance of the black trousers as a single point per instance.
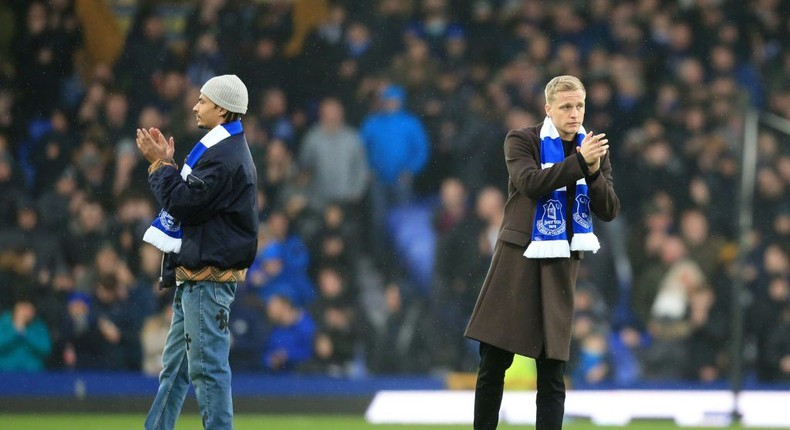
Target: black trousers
(491, 381)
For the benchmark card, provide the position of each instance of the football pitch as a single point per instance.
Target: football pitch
(264, 422)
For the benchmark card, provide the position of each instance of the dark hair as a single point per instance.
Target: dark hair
(231, 116)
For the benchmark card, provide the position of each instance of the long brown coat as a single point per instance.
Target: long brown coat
(527, 304)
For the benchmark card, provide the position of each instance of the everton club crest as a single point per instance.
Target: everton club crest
(552, 223)
(582, 214)
(168, 222)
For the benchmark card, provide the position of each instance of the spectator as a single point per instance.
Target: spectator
(53, 309)
(703, 248)
(153, 337)
(274, 119)
(52, 152)
(45, 56)
(145, 56)
(28, 233)
(397, 149)
(266, 66)
(434, 25)
(778, 349)
(106, 263)
(468, 244)
(763, 317)
(11, 188)
(86, 234)
(18, 276)
(333, 157)
(593, 365)
(93, 170)
(323, 46)
(131, 219)
(279, 173)
(248, 327)
(361, 58)
(207, 60)
(415, 68)
(100, 329)
(668, 322)
(335, 242)
(335, 314)
(396, 341)
(591, 361)
(116, 118)
(290, 343)
(708, 321)
(280, 266)
(24, 340)
(53, 205)
(221, 18)
(452, 206)
(144, 293)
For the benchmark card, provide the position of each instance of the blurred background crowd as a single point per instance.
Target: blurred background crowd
(377, 129)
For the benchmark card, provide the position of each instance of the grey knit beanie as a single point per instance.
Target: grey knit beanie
(227, 91)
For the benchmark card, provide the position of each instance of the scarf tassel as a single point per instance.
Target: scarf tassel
(548, 249)
(585, 242)
(161, 240)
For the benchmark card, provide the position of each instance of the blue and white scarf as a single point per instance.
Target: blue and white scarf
(549, 230)
(165, 231)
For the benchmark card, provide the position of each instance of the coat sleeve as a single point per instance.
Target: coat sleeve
(603, 201)
(359, 165)
(37, 337)
(420, 146)
(522, 156)
(307, 155)
(198, 198)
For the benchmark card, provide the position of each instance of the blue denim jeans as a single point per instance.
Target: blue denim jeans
(197, 350)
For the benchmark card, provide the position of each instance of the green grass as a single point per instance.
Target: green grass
(254, 422)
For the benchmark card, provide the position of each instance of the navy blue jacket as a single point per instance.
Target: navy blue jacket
(216, 205)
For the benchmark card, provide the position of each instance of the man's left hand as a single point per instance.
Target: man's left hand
(154, 146)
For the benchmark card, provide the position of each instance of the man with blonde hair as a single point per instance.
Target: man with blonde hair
(559, 174)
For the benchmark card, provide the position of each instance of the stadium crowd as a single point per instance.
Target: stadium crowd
(361, 107)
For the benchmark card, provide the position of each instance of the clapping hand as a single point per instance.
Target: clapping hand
(593, 148)
(154, 146)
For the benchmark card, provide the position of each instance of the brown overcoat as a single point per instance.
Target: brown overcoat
(527, 304)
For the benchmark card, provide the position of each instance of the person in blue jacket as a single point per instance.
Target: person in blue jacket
(290, 342)
(208, 229)
(397, 149)
(24, 339)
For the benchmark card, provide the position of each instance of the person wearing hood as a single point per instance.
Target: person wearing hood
(397, 149)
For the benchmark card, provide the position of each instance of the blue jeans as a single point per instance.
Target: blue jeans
(197, 350)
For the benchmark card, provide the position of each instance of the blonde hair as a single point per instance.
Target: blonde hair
(562, 83)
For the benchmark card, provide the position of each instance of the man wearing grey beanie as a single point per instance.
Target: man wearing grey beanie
(208, 230)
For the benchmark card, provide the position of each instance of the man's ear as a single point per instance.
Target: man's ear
(222, 111)
(547, 107)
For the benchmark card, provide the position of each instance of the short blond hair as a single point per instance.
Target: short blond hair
(562, 83)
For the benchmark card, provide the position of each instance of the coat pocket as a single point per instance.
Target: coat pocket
(514, 236)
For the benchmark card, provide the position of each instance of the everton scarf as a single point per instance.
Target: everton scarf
(549, 229)
(165, 231)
